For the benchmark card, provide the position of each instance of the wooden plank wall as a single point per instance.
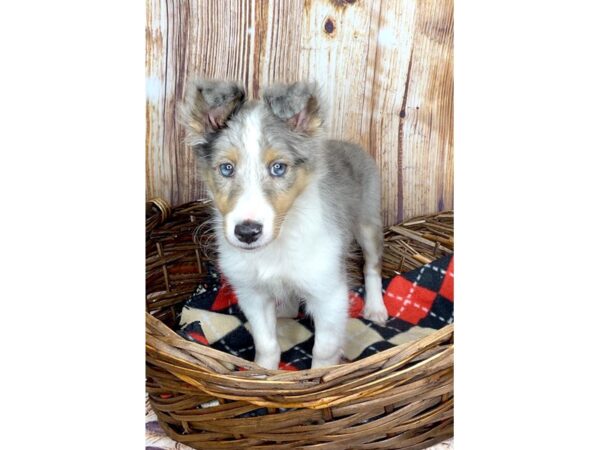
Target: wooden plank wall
(385, 67)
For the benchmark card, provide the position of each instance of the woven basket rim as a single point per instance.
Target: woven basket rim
(273, 375)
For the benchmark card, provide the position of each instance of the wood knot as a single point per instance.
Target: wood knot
(342, 3)
(329, 25)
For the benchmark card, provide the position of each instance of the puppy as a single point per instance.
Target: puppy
(288, 203)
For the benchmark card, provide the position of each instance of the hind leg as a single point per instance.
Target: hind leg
(370, 237)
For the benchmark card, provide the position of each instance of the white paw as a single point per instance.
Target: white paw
(376, 312)
(268, 360)
(326, 355)
(324, 362)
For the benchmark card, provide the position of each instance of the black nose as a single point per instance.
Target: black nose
(248, 231)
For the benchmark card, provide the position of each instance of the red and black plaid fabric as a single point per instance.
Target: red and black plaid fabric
(418, 302)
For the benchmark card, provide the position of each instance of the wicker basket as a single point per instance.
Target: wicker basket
(401, 398)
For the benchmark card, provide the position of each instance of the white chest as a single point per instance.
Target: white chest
(307, 249)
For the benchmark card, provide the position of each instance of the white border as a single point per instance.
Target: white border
(72, 178)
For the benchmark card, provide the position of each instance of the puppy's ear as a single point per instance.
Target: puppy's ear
(297, 105)
(207, 107)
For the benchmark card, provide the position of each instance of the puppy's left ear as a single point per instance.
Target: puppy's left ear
(297, 105)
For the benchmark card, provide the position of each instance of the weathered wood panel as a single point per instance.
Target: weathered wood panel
(385, 67)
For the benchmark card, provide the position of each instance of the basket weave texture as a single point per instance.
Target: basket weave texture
(400, 398)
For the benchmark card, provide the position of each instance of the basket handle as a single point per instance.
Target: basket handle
(163, 206)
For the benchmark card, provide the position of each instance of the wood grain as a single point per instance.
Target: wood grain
(385, 68)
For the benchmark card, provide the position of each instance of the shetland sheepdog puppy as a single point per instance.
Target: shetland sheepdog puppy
(288, 203)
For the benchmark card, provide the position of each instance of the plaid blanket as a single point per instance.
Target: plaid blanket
(418, 302)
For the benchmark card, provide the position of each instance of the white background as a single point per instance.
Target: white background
(72, 224)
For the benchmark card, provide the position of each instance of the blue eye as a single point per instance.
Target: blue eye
(226, 169)
(278, 169)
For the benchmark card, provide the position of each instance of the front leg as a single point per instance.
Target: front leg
(259, 309)
(328, 306)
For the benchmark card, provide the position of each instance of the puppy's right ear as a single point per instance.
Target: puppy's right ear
(207, 107)
(297, 105)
